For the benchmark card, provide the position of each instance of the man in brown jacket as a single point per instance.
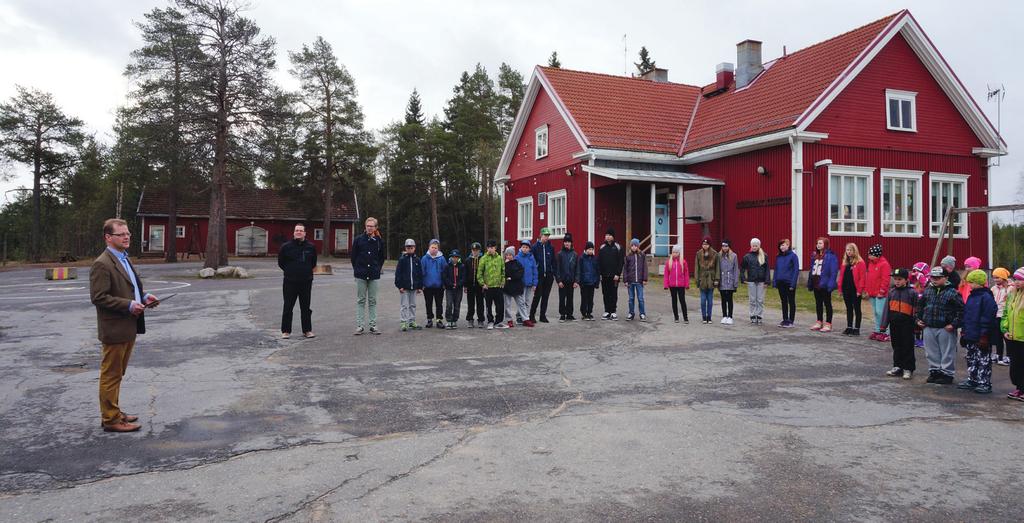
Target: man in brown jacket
(116, 291)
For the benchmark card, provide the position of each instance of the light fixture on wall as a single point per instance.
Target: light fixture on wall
(762, 171)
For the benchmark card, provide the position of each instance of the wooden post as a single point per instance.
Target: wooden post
(938, 243)
(629, 213)
(949, 232)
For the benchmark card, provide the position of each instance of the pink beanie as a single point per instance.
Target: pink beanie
(1019, 274)
(972, 263)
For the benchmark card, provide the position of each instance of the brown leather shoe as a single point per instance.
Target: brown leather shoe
(121, 427)
(129, 418)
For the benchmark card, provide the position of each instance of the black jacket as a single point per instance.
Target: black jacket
(367, 257)
(566, 264)
(297, 260)
(513, 278)
(753, 272)
(610, 259)
(454, 275)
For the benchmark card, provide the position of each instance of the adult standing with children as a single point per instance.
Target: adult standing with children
(610, 259)
(297, 258)
(367, 260)
(544, 254)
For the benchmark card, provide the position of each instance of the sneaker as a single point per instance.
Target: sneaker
(854, 332)
(615, 316)
(511, 324)
(629, 317)
(375, 331)
(873, 336)
(643, 317)
(983, 389)
(893, 372)
(677, 320)
(967, 384)
(430, 324)
(944, 379)
(751, 320)
(816, 326)
(529, 323)
(826, 327)
(451, 325)
(481, 324)
(415, 326)
(405, 326)
(918, 344)
(1004, 362)
(359, 331)
(847, 331)
(782, 324)
(544, 319)
(606, 316)
(789, 325)
(932, 377)
(570, 318)
(440, 325)
(490, 326)
(501, 325)
(725, 321)
(286, 335)
(908, 374)
(1017, 394)
(882, 337)
(561, 319)
(760, 320)
(686, 322)
(730, 321)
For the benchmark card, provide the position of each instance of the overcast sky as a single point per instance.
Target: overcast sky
(77, 49)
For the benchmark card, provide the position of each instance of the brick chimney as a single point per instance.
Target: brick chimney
(723, 76)
(656, 75)
(748, 62)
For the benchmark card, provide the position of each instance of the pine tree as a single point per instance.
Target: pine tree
(646, 65)
(553, 60)
(511, 90)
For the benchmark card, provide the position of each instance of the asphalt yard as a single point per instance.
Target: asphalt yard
(584, 421)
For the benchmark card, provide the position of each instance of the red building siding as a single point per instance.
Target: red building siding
(530, 186)
(900, 251)
(278, 232)
(857, 116)
(561, 142)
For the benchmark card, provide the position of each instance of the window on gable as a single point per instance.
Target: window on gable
(900, 110)
(850, 200)
(541, 141)
(525, 218)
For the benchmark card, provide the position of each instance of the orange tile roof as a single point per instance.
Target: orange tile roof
(617, 112)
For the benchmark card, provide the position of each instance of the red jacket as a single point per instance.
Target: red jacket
(677, 274)
(859, 276)
(879, 274)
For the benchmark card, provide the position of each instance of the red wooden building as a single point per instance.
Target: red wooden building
(866, 137)
(258, 222)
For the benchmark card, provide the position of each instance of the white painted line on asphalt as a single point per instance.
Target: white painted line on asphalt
(169, 285)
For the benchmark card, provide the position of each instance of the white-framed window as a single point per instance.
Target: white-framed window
(525, 219)
(179, 231)
(901, 202)
(541, 141)
(850, 200)
(557, 212)
(318, 234)
(900, 110)
(947, 190)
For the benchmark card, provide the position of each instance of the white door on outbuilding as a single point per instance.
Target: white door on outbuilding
(251, 241)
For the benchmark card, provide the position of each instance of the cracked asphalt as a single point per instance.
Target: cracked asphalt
(591, 421)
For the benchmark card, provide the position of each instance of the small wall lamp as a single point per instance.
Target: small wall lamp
(762, 171)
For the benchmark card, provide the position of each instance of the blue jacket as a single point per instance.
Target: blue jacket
(454, 275)
(433, 270)
(407, 273)
(544, 253)
(787, 270)
(367, 257)
(829, 271)
(980, 316)
(566, 266)
(530, 272)
(589, 272)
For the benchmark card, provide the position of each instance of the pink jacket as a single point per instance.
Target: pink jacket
(677, 273)
(879, 275)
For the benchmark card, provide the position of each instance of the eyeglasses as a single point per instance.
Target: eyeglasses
(122, 234)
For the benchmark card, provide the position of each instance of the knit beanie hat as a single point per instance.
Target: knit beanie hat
(977, 276)
(610, 232)
(706, 239)
(948, 260)
(1001, 273)
(972, 263)
(1019, 274)
(921, 267)
(590, 245)
(510, 251)
(634, 241)
(677, 248)
(875, 250)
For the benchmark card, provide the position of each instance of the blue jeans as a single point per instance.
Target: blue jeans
(636, 293)
(707, 303)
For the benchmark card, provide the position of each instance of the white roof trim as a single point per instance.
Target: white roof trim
(537, 81)
(644, 175)
(629, 156)
(925, 50)
(751, 144)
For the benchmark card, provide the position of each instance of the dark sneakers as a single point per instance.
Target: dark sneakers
(967, 385)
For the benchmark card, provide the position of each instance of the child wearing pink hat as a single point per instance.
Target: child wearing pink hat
(970, 264)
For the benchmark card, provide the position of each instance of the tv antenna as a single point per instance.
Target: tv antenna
(625, 56)
(998, 94)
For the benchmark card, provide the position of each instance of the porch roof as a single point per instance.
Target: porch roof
(646, 175)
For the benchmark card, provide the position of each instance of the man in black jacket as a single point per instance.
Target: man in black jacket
(610, 259)
(297, 259)
(367, 260)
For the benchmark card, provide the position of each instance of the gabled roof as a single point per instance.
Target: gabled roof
(246, 204)
(673, 122)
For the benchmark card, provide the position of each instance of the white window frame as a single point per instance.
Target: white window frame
(901, 96)
(540, 141)
(948, 178)
(340, 246)
(558, 230)
(869, 207)
(163, 238)
(524, 209)
(179, 231)
(901, 175)
(318, 234)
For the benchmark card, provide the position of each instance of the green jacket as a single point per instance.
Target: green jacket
(707, 270)
(491, 271)
(1013, 316)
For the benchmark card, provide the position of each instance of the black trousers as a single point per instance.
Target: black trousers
(823, 299)
(435, 296)
(495, 300)
(901, 336)
(302, 291)
(474, 303)
(788, 298)
(610, 293)
(726, 303)
(999, 344)
(678, 299)
(1015, 350)
(853, 313)
(565, 299)
(541, 295)
(586, 300)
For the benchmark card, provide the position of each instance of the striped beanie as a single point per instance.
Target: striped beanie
(1019, 274)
